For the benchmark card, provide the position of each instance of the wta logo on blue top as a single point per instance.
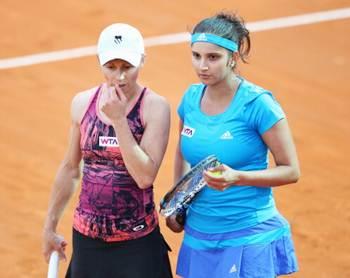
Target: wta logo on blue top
(187, 131)
(106, 141)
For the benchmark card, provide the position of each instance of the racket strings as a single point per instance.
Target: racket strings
(180, 196)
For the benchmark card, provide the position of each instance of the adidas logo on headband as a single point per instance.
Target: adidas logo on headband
(214, 39)
(202, 37)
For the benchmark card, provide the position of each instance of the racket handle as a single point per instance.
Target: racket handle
(181, 217)
(53, 265)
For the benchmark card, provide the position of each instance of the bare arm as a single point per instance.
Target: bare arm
(62, 190)
(142, 161)
(280, 143)
(181, 167)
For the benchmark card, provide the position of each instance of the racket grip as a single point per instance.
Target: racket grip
(53, 265)
(181, 217)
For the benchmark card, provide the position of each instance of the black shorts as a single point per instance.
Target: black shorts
(145, 257)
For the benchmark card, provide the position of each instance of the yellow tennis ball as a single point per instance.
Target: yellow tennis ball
(216, 173)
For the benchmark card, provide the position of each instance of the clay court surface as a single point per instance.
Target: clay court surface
(304, 66)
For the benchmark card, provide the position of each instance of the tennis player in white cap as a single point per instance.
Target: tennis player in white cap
(114, 129)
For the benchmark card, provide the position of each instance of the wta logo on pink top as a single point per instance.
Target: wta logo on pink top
(106, 141)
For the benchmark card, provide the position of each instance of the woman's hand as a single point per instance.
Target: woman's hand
(115, 105)
(51, 242)
(221, 177)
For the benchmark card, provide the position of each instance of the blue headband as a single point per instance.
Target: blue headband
(214, 39)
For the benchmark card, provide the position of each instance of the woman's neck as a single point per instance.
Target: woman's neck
(217, 99)
(226, 87)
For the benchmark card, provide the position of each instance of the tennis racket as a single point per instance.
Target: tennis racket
(53, 265)
(179, 197)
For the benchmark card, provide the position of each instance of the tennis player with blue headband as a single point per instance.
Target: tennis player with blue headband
(232, 227)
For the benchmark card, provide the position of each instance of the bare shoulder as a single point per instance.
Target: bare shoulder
(154, 101)
(80, 104)
(156, 108)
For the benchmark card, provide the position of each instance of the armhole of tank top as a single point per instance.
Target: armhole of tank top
(145, 92)
(92, 98)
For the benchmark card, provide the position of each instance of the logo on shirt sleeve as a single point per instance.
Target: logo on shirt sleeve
(187, 131)
(105, 141)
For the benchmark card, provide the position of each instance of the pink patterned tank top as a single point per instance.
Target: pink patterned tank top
(111, 205)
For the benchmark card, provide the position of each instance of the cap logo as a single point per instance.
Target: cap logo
(118, 39)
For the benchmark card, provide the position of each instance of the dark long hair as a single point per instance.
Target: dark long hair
(229, 26)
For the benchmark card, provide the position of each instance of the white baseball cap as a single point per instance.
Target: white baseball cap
(120, 41)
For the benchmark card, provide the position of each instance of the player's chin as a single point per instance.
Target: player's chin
(207, 82)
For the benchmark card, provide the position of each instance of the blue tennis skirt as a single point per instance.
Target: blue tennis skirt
(224, 256)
